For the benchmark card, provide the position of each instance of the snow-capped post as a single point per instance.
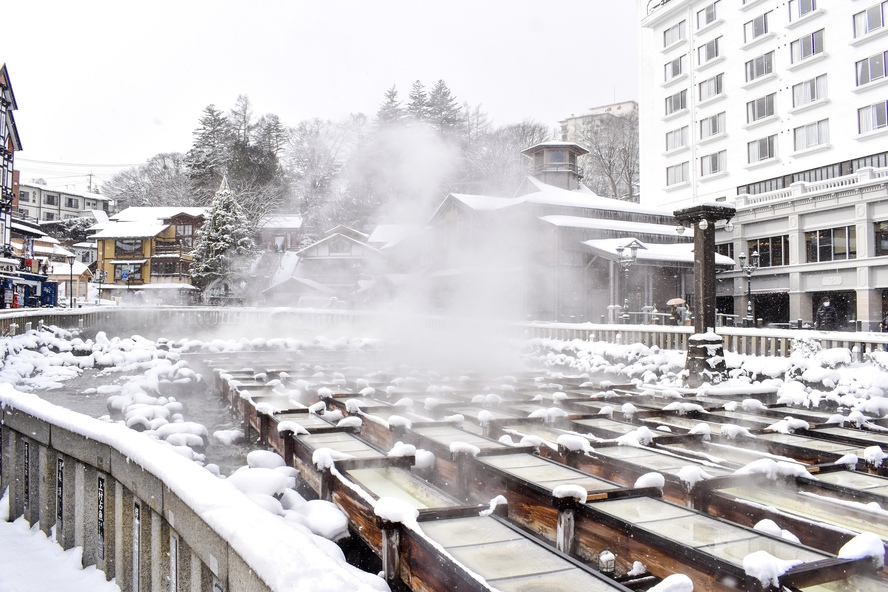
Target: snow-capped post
(566, 499)
(705, 359)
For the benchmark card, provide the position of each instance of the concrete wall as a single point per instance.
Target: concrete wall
(128, 523)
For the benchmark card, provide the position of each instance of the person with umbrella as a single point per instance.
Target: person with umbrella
(678, 310)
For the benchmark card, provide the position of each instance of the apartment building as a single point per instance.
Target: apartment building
(779, 107)
(46, 203)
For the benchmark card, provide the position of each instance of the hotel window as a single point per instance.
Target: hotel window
(813, 134)
(773, 251)
(24, 196)
(679, 173)
(72, 202)
(676, 67)
(185, 235)
(726, 249)
(712, 87)
(755, 28)
(677, 138)
(871, 68)
(762, 149)
(49, 216)
(707, 15)
(132, 271)
(674, 34)
(807, 46)
(881, 239)
(707, 51)
(809, 91)
(872, 117)
(760, 108)
(831, 244)
(799, 8)
(51, 200)
(712, 125)
(713, 163)
(677, 102)
(760, 66)
(870, 19)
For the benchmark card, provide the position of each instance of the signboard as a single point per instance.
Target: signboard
(60, 498)
(137, 527)
(100, 517)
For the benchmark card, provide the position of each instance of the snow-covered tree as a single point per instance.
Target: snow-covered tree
(443, 113)
(418, 107)
(390, 112)
(224, 248)
(161, 181)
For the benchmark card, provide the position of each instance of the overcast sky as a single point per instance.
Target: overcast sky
(103, 85)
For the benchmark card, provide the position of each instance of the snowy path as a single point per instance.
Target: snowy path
(25, 553)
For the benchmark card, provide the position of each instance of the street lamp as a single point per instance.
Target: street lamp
(70, 259)
(627, 255)
(748, 269)
(102, 275)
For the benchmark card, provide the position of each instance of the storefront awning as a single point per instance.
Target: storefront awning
(128, 261)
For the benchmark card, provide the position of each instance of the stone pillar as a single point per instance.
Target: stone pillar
(705, 359)
(869, 307)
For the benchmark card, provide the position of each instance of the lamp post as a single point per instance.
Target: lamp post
(748, 269)
(627, 255)
(70, 259)
(102, 275)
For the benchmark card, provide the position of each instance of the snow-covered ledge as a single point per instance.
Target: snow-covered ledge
(125, 478)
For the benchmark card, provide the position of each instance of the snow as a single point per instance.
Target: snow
(690, 475)
(395, 510)
(575, 443)
(572, 490)
(866, 544)
(766, 568)
(772, 469)
(674, 583)
(651, 480)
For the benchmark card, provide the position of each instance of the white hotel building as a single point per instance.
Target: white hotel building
(780, 108)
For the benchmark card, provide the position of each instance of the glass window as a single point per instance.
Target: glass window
(557, 156)
(872, 117)
(870, 19)
(674, 34)
(131, 271)
(676, 67)
(773, 251)
(760, 108)
(712, 125)
(678, 173)
(762, 149)
(807, 46)
(708, 51)
(811, 135)
(871, 68)
(809, 91)
(72, 202)
(677, 102)
(881, 239)
(760, 66)
(756, 27)
(24, 196)
(124, 247)
(832, 244)
(707, 15)
(677, 138)
(799, 8)
(711, 87)
(713, 163)
(51, 200)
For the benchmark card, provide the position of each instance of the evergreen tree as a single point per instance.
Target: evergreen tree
(390, 112)
(443, 113)
(418, 108)
(224, 246)
(270, 134)
(208, 156)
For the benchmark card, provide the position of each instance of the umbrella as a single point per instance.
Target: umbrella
(675, 302)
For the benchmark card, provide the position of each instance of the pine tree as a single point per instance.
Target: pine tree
(224, 247)
(418, 108)
(209, 152)
(390, 112)
(443, 112)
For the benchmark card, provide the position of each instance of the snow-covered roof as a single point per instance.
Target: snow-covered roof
(388, 235)
(140, 229)
(66, 191)
(60, 268)
(142, 214)
(583, 198)
(606, 224)
(277, 221)
(652, 252)
(86, 245)
(337, 236)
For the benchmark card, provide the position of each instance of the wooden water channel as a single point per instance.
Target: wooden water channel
(511, 502)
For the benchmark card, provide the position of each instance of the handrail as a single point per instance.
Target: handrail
(268, 322)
